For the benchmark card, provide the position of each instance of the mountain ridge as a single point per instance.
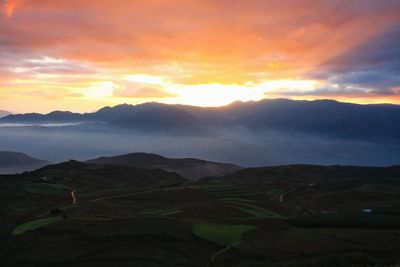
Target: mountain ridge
(329, 118)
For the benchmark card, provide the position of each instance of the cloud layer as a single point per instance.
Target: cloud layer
(350, 48)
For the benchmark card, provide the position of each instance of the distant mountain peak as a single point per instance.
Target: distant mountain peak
(60, 112)
(4, 113)
(13, 162)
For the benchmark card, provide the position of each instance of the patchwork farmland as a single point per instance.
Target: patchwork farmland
(251, 218)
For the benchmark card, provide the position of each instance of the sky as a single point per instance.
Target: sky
(81, 55)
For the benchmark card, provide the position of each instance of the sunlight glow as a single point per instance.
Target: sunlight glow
(100, 90)
(223, 94)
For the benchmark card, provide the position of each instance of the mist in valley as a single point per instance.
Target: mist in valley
(237, 145)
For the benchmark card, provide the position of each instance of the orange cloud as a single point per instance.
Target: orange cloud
(9, 6)
(187, 42)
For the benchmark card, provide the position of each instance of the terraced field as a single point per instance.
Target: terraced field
(207, 223)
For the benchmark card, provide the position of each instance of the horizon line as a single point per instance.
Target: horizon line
(205, 107)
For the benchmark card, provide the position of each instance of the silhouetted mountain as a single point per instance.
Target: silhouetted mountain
(187, 167)
(149, 117)
(321, 117)
(152, 117)
(4, 113)
(54, 117)
(13, 162)
(267, 132)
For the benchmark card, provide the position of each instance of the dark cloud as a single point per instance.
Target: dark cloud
(373, 66)
(324, 91)
(382, 52)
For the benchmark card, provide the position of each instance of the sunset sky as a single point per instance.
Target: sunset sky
(81, 55)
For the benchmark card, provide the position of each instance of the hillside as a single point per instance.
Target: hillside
(85, 177)
(270, 216)
(12, 162)
(193, 169)
(311, 173)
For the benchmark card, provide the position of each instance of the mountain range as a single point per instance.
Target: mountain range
(321, 117)
(153, 117)
(259, 133)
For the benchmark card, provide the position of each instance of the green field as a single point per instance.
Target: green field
(222, 234)
(253, 210)
(274, 194)
(35, 224)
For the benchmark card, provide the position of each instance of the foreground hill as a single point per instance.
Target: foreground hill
(290, 216)
(193, 169)
(86, 177)
(12, 162)
(311, 173)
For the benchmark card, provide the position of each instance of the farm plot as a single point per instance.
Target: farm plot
(274, 194)
(35, 224)
(378, 188)
(224, 235)
(252, 209)
(262, 241)
(47, 189)
(354, 220)
(153, 242)
(384, 239)
(232, 191)
(311, 241)
(162, 212)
